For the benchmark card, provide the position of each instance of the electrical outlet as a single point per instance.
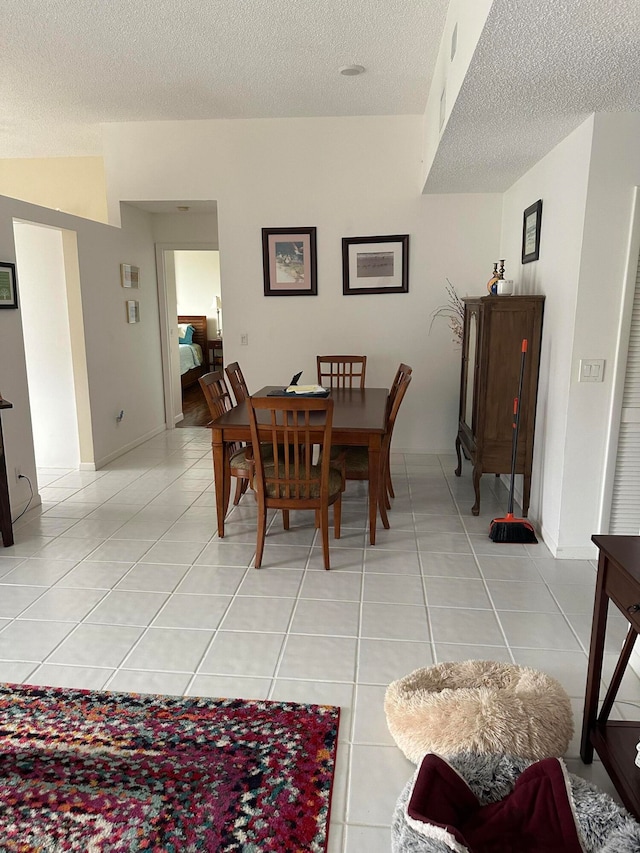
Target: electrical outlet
(244, 339)
(18, 473)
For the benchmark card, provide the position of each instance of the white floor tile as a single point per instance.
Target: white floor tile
(239, 654)
(119, 581)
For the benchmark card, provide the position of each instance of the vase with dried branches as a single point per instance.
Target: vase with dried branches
(452, 311)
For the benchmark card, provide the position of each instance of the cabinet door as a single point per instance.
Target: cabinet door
(468, 402)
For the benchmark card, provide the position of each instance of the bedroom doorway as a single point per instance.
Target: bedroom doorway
(188, 286)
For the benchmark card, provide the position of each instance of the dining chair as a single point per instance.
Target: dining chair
(285, 477)
(341, 371)
(237, 381)
(216, 393)
(356, 459)
(402, 371)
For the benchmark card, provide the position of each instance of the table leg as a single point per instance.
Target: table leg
(5, 507)
(596, 654)
(374, 485)
(221, 479)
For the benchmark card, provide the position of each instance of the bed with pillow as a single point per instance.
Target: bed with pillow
(192, 344)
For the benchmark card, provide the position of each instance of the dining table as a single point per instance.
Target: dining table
(359, 420)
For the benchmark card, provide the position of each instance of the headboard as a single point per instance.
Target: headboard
(199, 323)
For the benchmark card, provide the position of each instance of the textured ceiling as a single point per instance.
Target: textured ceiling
(540, 68)
(67, 65)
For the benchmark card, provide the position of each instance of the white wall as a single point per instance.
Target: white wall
(123, 361)
(469, 16)
(347, 177)
(198, 284)
(613, 174)
(586, 185)
(45, 315)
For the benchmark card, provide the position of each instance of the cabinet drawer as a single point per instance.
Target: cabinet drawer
(625, 593)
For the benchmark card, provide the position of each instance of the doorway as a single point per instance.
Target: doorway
(188, 284)
(53, 333)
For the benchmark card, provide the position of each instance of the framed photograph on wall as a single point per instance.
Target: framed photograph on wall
(133, 311)
(289, 261)
(531, 222)
(375, 264)
(129, 275)
(8, 286)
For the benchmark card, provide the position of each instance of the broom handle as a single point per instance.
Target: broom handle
(516, 428)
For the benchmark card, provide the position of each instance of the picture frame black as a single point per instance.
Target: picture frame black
(289, 261)
(8, 285)
(531, 226)
(375, 264)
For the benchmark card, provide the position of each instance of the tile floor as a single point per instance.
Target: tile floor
(119, 581)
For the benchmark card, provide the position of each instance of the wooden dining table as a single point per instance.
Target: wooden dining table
(359, 420)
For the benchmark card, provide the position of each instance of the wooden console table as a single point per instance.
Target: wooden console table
(6, 527)
(615, 742)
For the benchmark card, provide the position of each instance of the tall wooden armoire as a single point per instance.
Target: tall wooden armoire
(494, 328)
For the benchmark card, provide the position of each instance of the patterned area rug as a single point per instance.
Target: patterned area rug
(83, 770)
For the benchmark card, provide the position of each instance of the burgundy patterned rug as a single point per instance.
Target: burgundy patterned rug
(83, 770)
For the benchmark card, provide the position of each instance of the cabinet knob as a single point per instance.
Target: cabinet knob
(633, 608)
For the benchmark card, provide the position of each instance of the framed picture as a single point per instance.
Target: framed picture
(289, 261)
(8, 286)
(133, 311)
(531, 223)
(375, 264)
(129, 275)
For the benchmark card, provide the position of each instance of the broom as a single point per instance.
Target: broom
(509, 528)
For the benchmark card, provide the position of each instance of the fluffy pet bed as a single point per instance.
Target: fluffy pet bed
(480, 706)
(603, 826)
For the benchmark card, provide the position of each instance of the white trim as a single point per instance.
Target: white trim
(127, 447)
(620, 364)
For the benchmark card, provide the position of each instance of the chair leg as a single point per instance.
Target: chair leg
(389, 485)
(337, 517)
(317, 519)
(285, 519)
(324, 531)
(241, 487)
(262, 530)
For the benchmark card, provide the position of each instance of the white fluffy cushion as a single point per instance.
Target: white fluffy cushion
(480, 706)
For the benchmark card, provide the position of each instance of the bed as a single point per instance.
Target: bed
(190, 370)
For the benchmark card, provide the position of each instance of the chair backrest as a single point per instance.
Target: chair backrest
(237, 381)
(394, 405)
(216, 393)
(341, 371)
(401, 372)
(281, 435)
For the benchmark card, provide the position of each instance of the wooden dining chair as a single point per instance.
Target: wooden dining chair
(285, 478)
(216, 393)
(341, 371)
(402, 371)
(355, 460)
(237, 381)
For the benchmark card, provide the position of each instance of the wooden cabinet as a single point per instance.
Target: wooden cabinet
(615, 742)
(216, 355)
(494, 328)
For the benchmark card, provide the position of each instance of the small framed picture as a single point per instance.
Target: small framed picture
(129, 275)
(289, 261)
(133, 311)
(8, 286)
(375, 264)
(531, 222)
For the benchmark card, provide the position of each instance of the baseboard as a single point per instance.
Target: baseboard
(178, 418)
(100, 463)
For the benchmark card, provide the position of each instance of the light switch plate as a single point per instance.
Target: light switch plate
(591, 370)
